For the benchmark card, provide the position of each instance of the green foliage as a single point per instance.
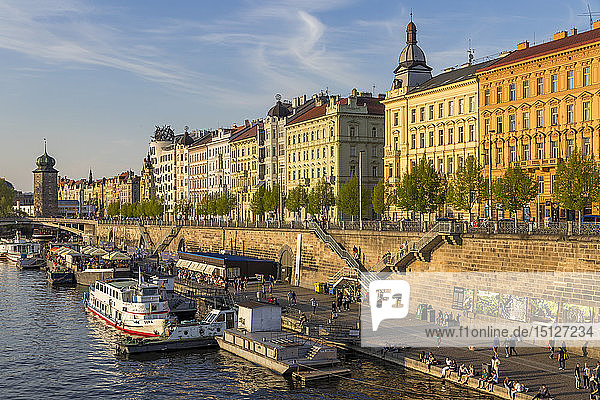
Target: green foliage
(257, 205)
(183, 207)
(7, 198)
(297, 199)
(467, 186)
(577, 182)
(217, 204)
(422, 189)
(514, 189)
(114, 208)
(320, 198)
(347, 200)
(149, 208)
(271, 199)
(381, 199)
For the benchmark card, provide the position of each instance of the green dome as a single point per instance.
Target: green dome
(45, 163)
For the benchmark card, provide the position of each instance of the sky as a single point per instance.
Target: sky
(95, 77)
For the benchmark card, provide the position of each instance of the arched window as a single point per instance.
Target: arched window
(374, 132)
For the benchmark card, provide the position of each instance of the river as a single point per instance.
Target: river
(52, 349)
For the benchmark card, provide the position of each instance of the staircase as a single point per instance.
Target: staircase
(166, 240)
(145, 236)
(313, 352)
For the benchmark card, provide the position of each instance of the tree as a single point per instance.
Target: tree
(467, 186)
(577, 182)
(347, 200)
(114, 208)
(257, 203)
(320, 198)
(225, 203)
(297, 199)
(7, 198)
(183, 207)
(271, 199)
(515, 188)
(421, 190)
(381, 199)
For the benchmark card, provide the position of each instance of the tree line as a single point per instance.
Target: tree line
(148, 208)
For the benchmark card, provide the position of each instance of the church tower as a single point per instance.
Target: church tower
(412, 69)
(45, 186)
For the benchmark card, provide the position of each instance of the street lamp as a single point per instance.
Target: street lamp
(360, 223)
(490, 213)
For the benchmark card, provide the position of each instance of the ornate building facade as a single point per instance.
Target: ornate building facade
(45, 186)
(245, 161)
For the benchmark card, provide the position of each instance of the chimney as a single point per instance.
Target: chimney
(382, 96)
(560, 35)
(354, 92)
(573, 31)
(597, 24)
(247, 123)
(523, 45)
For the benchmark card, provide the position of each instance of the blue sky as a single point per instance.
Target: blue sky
(95, 77)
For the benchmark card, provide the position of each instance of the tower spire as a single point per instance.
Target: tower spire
(45, 152)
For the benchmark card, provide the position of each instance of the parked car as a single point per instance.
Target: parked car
(480, 222)
(590, 219)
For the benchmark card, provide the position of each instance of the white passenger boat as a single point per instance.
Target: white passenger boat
(131, 306)
(24, 253)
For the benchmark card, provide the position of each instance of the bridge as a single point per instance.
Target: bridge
(80, 227)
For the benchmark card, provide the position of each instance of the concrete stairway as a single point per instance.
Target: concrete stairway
(166, 240)
(148, 244)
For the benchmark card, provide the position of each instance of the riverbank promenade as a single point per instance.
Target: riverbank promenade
(531, 367)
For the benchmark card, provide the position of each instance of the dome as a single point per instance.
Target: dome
(45, 163)
(185, 140)
(411, 55)
(279, 110)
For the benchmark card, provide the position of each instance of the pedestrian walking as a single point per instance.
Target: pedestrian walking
(585, 376)
(551, 348)
(561, 358)
(313, 304)
(577, 374)
(333, 306)
(506, 345)
(495, 346)
(496, 365)
(512, 341)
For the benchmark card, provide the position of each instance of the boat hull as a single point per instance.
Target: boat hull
(61, 277)
(155, 346)
(125, 328)
(273, 365)
(30, 263)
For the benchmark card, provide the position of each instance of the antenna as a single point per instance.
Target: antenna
(590, 14)
(373, 90)
(470, 52)
(411, 15)
(44, 145)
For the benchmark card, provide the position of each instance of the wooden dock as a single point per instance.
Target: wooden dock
(319, 374)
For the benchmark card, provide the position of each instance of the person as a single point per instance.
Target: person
(334, 315)
(518, 387)
(430, 360)
(303, 319)
(483, 380)
(512, 341)
(495, 346)
(508, 385)
(506, 345)
(496, 365)
(333, 306)
(543, 393)
(561, 358)
(586, 376)
(313, 304)
(448, 367)
(493, 379)
(463, 371)
(577, 374)
(290, 298)
(551, 344)
(594, 389)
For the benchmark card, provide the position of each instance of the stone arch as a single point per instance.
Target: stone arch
(181, 245)
(286, 263)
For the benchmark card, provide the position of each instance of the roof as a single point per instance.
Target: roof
(230, 257)
(454, 76)
(311, 113)
(255, 304)
(374, 107)
(553, 46)
(249, 132)
(280, 110)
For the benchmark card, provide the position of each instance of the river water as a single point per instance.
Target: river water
(52, 349)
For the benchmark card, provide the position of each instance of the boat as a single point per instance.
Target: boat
(129, 305)
(25, 254)
(60, 275)
(186, 335)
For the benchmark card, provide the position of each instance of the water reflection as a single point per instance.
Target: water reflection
(54, 349)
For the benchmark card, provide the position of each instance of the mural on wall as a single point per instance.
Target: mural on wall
(513, 307)
(487, 303)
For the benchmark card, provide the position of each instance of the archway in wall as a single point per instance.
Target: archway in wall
(286, 263)
(111, 236)
(181, 245)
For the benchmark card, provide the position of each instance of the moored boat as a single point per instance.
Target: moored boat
(25, 254)
(130, 306)
(60, 275)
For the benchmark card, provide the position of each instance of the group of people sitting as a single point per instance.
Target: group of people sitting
(201, 277)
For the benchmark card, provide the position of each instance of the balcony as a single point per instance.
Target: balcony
(537, 163)
(392, 153)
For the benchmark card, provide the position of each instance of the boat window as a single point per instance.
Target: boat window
(149, 292)
(221, 318)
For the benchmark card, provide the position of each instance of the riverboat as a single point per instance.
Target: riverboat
(60, 275)
(134, 307)
(25, 254)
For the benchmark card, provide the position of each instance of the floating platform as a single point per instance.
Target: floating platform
(319, 374)
(155, 346)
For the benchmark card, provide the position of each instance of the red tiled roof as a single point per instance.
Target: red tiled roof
(374, 106)
(553, 46)
(311, 113)
(247, 132)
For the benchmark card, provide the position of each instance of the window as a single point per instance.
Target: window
(441, 110)
(460, 163)
(513, 153)
(472, 104)
(352, 131)
(587, 148)
(512, 92)
(413, 115)
(486, 124)
(539, 118)
(395, 143)
(554, 83)
(374, 132)
(554, 146)
(486, 156)
(461, 106)
(374, 171)
(587, 77)
(570, 80)
(431, 116)
(570, 113)
(499, 94)
(525, 89)
(352, 151)
(486, 97)
(331, 151)
(499, 124)
(540, 86)
(450, 135)
(511, 123)
(554, 116)
(570, 146)
(540, 184)
(440, 167)
(525, 152)
(461, 134)
(526, 120)
(422, 140)
(413, 141)
(450, 164)
(450, 108)
(499, 158)
(352, 170)
(395, 119)
(586, 111)
(471, 133)
(422, 114)
(431, 135)
(441, 137)
(540, 151)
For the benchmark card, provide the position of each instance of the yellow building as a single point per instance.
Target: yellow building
(245, 160)
(537, 105)
(435, 118)
(326, 136)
